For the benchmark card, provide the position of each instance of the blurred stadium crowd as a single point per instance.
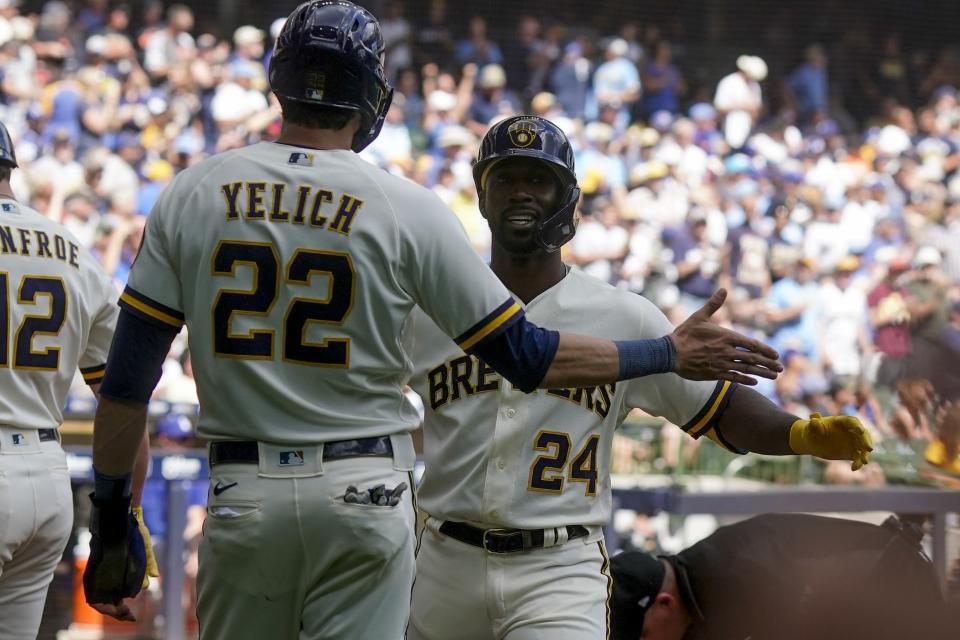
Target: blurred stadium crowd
(826, 198)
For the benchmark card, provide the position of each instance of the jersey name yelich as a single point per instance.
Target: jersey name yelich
(279, 202)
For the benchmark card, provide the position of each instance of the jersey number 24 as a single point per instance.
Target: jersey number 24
(257, 344)
(546, 472)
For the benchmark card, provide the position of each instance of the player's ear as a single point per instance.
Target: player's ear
(481, 204)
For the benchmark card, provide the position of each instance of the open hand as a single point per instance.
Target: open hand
(707, 351)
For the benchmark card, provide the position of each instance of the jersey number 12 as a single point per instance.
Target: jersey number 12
(40, 324)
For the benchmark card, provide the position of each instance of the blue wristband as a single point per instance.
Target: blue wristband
(111, 487)
(645, 357)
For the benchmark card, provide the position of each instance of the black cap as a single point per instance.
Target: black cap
(637, 579)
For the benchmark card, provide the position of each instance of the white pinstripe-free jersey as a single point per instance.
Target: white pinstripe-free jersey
(57, 314)
(497, 457)
(295, 270)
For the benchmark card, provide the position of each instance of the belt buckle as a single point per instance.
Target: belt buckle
(484, 543)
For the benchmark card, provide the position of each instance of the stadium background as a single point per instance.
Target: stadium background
(850, 173)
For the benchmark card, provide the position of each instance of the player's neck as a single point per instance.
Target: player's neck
(527, 276)
(6, 191)
(323, 139)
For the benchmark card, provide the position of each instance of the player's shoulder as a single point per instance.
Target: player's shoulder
(405, 196)
(586, 286)
(619, 312)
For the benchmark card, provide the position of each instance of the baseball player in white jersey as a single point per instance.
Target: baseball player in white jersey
(57, 313)
(517, 486)
(295, 265)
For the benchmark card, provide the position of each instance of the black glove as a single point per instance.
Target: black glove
(118, 558)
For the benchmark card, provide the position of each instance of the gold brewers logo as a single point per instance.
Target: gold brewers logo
(523, 133)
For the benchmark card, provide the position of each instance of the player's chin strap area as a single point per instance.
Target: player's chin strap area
(508, 540)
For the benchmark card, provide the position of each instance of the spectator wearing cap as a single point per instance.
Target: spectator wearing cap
(928, 289)
(237, 100)
(570, 80)
(809, 85)
(890, 321)
(843, 321)
(477, 48)
(491, 100)
(599, 170)
(782, 577)
(662, 82)
(739, 99)
(80, 216)
(247, 44)
(708, 136)
(60, 165)
(616, 83)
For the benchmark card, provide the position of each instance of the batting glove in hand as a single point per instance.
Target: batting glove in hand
(833, 438)
(153, 571)
(118, 559)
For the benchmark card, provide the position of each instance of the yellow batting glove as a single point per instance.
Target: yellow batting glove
(833, 438)
(152, 570)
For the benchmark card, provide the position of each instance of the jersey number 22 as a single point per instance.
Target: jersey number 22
(257, 344)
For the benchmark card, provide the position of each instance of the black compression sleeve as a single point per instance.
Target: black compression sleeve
(136, 358)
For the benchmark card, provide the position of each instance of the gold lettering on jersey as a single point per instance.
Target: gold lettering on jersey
(461, 378)
(60, 248)
(24, 242)
(317, 220)
(255, 210)
(349, 205)
(263, 203)
(43, 245)
(467, 376)
(462, 369)
(587, 397)
(278, 214)
(302, 193)
(230, 193)
(36, 243)
(6, 240)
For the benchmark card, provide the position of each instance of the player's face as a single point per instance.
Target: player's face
(518, 193)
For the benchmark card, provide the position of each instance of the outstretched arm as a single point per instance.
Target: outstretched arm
(753, 423)
(698, 349)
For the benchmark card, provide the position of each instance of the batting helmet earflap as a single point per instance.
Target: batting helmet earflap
(330, 52)
(7, 157)
(534, 137)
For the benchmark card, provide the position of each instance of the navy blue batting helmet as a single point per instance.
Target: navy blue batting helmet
(330, 52)
(533, 137)
(7, 157)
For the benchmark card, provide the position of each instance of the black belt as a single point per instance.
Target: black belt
(504, 540)
(46, 435)
(238, 451)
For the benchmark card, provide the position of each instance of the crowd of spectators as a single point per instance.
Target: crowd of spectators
(835, 230)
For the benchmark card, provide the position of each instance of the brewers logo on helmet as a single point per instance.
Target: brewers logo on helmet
(522, 133)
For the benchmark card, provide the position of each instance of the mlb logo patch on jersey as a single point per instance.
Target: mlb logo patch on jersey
(18, 439)
(291, 458)
(9, 207)
(300, 158)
